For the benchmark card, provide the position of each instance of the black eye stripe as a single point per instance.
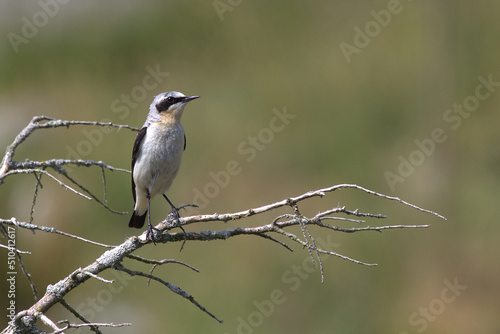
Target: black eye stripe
(164, 104)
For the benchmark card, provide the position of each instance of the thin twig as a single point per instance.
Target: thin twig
(172, 288)
(13, 222)
(44, 122)
(367, 228)
(37, 185)
(104, 197)
(46, 320)
(57, 163)
(288, 201)
(28, 276)
(93, 275)
(18, 253)
(14, 249)
(93, 327)
(266, 236)
(352, 213)
(164, 261)
(28, 171)
(62, 171)
(90, 324)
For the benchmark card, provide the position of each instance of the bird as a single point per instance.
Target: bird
(157, 155)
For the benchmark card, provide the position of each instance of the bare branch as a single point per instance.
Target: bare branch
(353, 213)
(266, 236)
(62, 171)
(172, 288)
(41, 171)
(28, 276)
(9, 167)
(20, 260)
(92, 326)
(57, 163)
(44, 122)
(293, 200)
(104, 197)
(46, 320)
(13, 222)
(368, 228)
(79, 270)
(113, 257)
(35, 194)
(14, 249)
(278, 228)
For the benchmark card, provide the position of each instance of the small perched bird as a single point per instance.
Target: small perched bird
(157, 155)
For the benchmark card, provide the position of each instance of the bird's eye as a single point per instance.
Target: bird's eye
(166, 103)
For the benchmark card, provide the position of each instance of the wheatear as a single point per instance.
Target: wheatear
(157, 155)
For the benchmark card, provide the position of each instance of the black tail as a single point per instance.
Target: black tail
(137, 221)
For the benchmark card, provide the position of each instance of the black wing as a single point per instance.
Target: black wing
(135, 153)
(184, 142)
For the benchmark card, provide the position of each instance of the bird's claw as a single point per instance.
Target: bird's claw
(175, 213)
(151, 234)
(175, 216)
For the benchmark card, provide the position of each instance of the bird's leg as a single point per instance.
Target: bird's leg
(175, 210)
(150, 234)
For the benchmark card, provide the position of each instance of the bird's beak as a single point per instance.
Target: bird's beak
(189, 98)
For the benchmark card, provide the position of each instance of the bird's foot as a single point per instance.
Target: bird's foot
(174, 216)
(173, 219)
(151, 233)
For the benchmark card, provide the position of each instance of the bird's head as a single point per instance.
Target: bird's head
(169, 106)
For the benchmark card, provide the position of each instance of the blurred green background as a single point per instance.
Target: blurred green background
(364, 81)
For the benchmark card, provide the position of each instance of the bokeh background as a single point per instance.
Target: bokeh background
(360, 101)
